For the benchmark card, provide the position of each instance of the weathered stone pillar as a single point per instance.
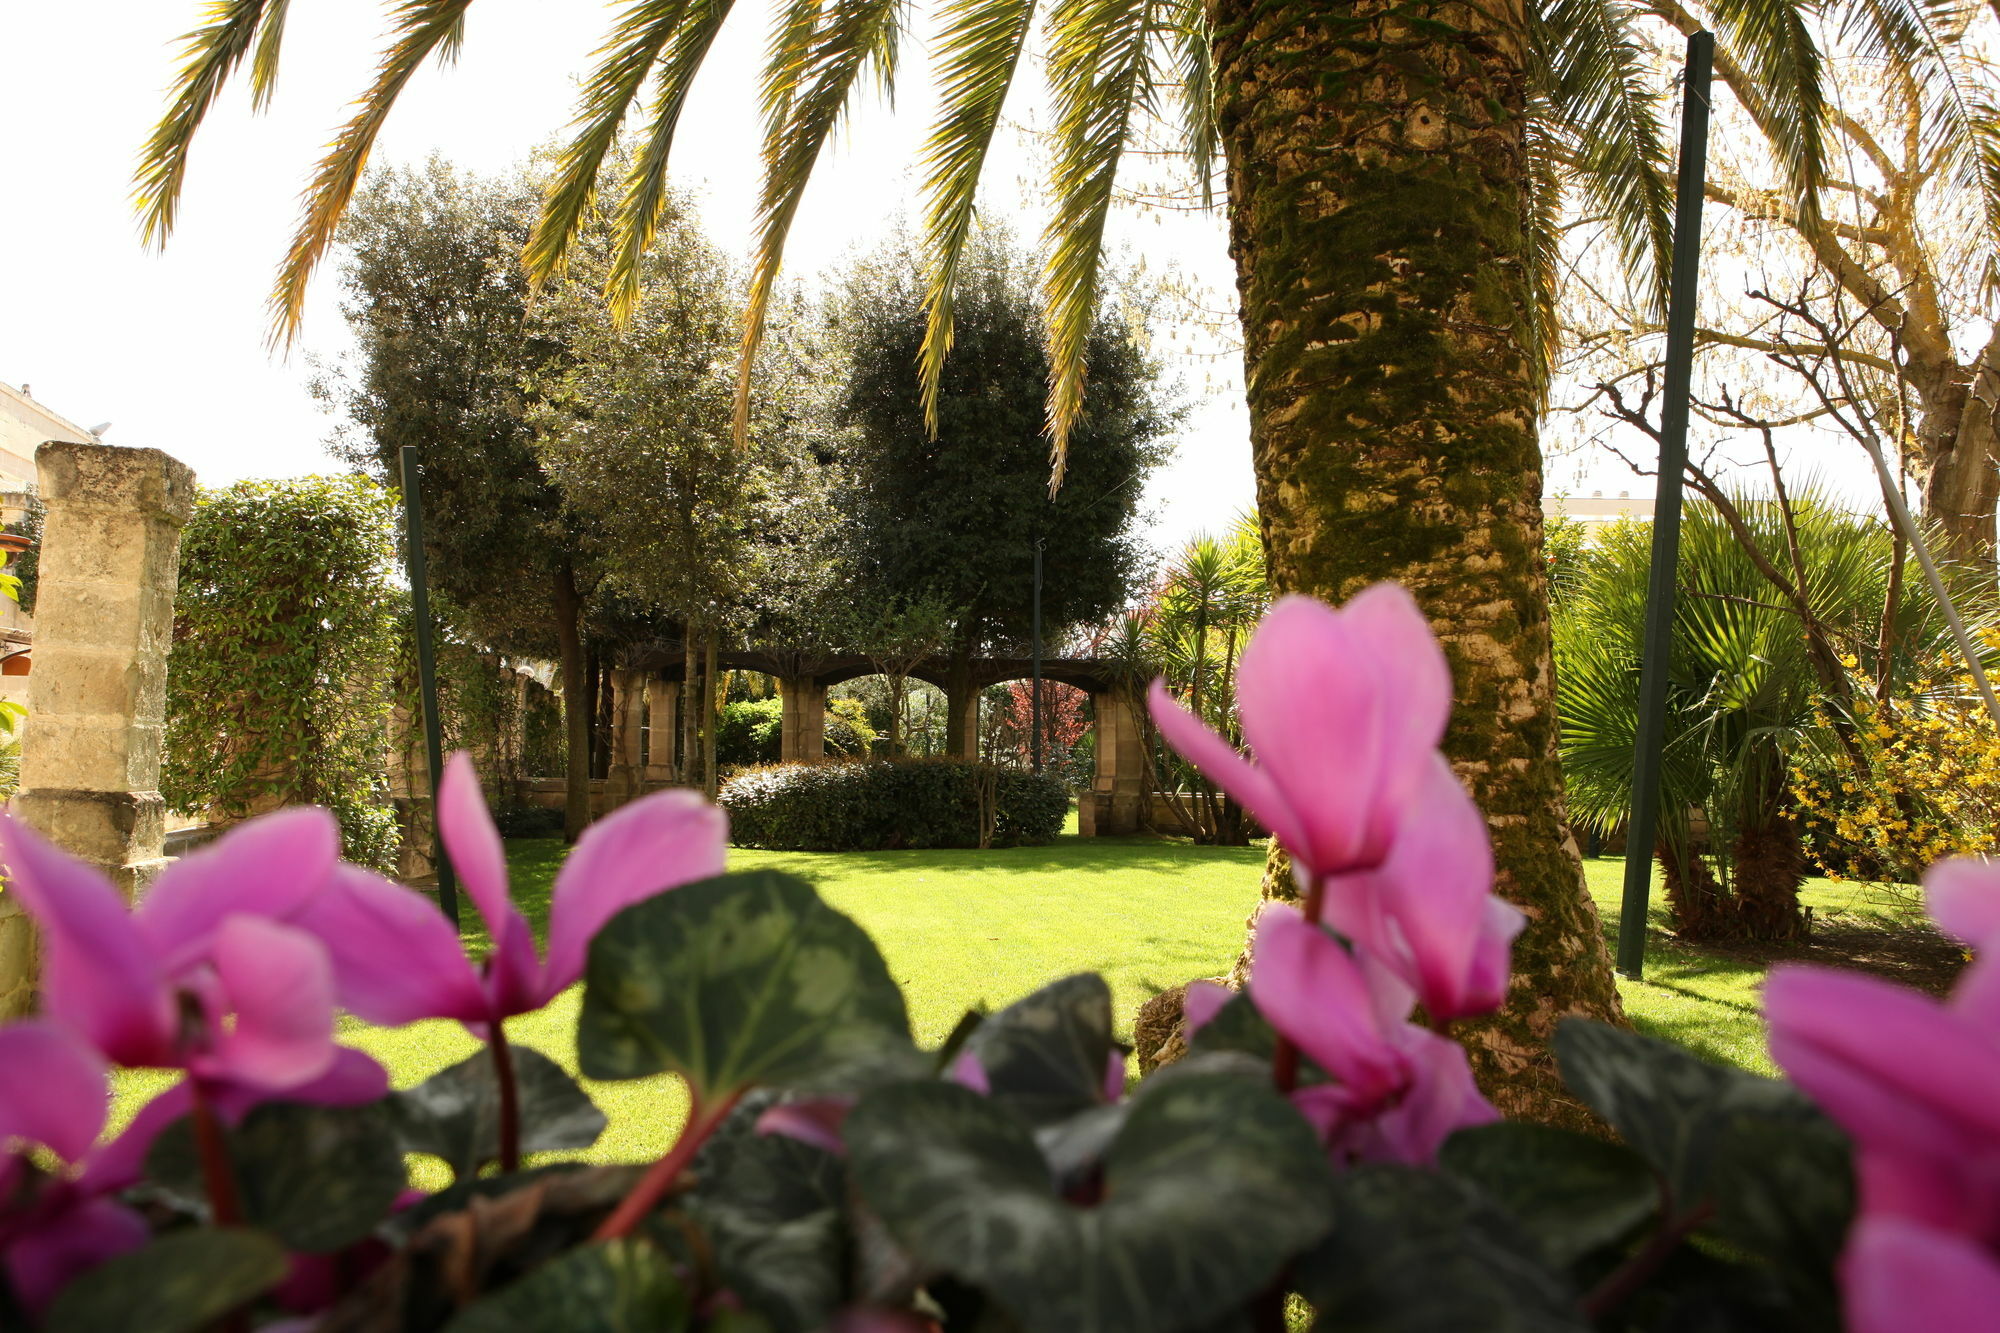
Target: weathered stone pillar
(628, 717)
(410, 796)
(1116, 801)
(802, 737)
(90, 765)
(663, 706)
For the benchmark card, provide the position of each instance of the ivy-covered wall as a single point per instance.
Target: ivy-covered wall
(285, 648)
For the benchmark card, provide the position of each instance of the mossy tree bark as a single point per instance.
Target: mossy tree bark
(576, 708)
(1375, 168)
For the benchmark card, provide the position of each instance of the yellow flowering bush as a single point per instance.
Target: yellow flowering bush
(1930, 788)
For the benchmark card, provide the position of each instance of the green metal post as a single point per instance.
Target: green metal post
(1681, 291)
(420, 618)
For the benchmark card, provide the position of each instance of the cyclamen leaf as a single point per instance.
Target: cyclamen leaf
(455, 1113)
(1045, 1056)
(1211, 1186)
(1415, 1251)
(621, 1286)
(316, 1177)
(774, 1214)
(1575, 1193)
(179, 1283)
(735, 982)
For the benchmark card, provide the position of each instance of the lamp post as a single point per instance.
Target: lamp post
(420, 617)
(1681, 290)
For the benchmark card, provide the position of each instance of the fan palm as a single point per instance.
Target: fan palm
(1393, 178)
(1743, 697)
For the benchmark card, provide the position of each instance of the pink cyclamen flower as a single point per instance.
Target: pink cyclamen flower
(1344, 711)
(399, 960)
(1398, 1091)
(207, 974)
(54, 1226)
(1916, 1084)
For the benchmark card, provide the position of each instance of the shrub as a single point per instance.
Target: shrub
(749, 732)
(528, 821)
(889, 803)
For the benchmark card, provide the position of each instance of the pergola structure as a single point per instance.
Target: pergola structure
(645, 703)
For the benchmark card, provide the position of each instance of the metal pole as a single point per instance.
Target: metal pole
(1682, 285)
(420, 618)
(1035, 706)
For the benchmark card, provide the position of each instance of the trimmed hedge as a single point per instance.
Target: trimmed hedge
(879, 804)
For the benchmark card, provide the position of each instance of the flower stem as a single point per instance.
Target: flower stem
(1624, 1281)
(510, 1098)
(224, 1204)
(661, 1176)
(1285, 1056)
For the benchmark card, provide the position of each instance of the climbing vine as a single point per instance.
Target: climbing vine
(278, 689)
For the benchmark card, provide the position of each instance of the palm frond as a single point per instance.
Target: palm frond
(819, 74)
(209, 55)
(646, 185)
(264, 65)
(979, 51)
(1773, 39)
(624, 63)
(1192, 44)
(1097, 61)
(1958, 122)
(420, 28)
(1599, 92)
(1542, 233)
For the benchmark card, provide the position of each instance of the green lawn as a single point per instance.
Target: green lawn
(964, 928)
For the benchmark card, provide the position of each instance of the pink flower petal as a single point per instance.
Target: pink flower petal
(1963, 895)
(1309, 694)
(1950, 1192)
(1888, 1063)
(1114, 1076)
(69, 1244)
(1433, 891)
(1900, 1276)
(659, 842)
(1415, 693)
(477, 854)
(1440, 1100)
(966, 1071)
(270, 867)
(816, 1122)
(1202, 1002)
(98, 976)
(395, 957)
(52, 1089)
(121, 1163)
(278, 981)
(1219, 762)
(1314, 993)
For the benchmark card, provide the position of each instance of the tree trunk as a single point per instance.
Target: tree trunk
(576, 708)
(1695, 899)
(1375, 176)
(897, 685)
(1961, 481)
(690, 708)
(709, 781)
(961, 705)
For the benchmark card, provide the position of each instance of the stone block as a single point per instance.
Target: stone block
(110, 829)
(144, 481)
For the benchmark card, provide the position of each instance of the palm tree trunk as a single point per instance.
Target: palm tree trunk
(1375, 220)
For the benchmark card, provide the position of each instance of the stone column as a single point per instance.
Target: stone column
(663, 700)
(1116, 801)
(628, 703)
(803, 734)
(90, 765)
(410, 796)
(961, 723)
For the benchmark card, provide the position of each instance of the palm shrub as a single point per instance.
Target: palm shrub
(1744, 705)
(1191, 637)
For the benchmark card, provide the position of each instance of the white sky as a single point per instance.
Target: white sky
(170, 347)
